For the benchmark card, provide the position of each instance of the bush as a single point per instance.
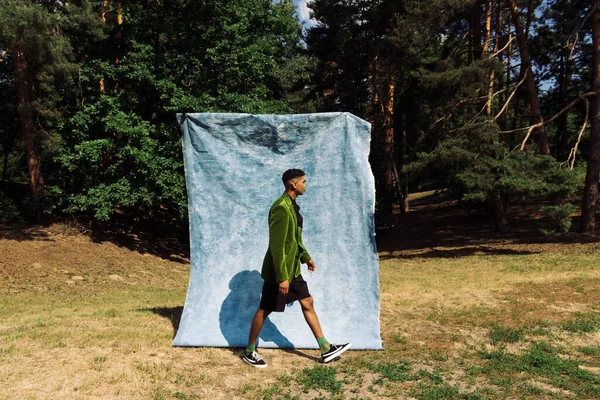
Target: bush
(8, 211)
(557, 218)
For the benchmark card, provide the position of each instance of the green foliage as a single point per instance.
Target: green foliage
(121, 150)
(480, 169)
(8, 211)
(559, 218)
(42, 207)
(111, 159)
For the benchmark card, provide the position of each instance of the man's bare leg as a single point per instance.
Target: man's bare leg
(328, 352)
(250, 356)
(310, 316)
(257, 324)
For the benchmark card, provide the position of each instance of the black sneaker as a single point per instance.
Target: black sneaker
(254, 359)
(335, 350)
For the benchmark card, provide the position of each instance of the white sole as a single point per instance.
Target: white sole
(253, 365)
(336, 355)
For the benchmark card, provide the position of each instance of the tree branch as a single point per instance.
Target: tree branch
(512, 95)
(502, 49)
(565, 109)
(573, 152)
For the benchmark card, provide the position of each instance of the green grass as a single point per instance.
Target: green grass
(318, 378)
(505, 334)
(589, 351)
(397, 372)
(583, 322)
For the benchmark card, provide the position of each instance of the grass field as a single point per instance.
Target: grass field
(466, 313)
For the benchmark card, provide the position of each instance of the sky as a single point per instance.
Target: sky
(303, 13)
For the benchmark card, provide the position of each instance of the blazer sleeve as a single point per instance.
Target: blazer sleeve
(304, 256)
(278, 228)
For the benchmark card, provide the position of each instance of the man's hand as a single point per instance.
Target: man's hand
(284, 287)
(312, 266)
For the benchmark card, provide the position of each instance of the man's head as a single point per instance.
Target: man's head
(294, 180)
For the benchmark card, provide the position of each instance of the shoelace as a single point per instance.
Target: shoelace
(256, 356)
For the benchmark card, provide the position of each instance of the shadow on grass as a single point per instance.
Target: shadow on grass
(173, 314)
(299, 353)
(163, 240)
(461, 252)
(22, 232)
(436, 221)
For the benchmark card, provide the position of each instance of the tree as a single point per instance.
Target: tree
(121, 152)
(590, 193)
(527, 72)
(34, 35)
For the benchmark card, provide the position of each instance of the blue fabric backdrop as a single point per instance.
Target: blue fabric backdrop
(233, 168)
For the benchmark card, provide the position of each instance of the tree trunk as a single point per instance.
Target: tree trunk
(103, 13)
(526, 67)
(488, 26)
(388, 135)
(508, 68)
(27, 117)
(499, 212)
(590, 191)
(564, 89)
(476, 30)
(403, 179)
(486, 46)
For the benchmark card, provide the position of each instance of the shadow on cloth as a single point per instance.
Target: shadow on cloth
(238, 310)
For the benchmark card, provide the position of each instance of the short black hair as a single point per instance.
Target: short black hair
(291, 174)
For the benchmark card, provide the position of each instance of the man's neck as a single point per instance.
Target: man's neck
(292, 194)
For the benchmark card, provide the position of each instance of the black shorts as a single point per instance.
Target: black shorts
(271, 300)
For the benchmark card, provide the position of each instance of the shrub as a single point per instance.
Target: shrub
(8, 211)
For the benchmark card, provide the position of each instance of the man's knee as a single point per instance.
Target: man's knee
(262, 313)
(307, 304)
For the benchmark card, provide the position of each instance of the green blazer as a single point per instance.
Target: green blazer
(286, 251)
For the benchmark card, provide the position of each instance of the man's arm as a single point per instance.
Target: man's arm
(304, 256)
(278, 226)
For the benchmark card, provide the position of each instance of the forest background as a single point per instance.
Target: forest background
(493, 101)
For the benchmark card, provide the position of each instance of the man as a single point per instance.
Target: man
(281, 271)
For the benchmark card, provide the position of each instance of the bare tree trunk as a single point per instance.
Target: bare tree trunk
(531, 88)
(388, 134)
(499, 212)
(564, 89)
(486, 46)
(104, 11)
(590, 191)
(508, 67)
(27, 117)
(488, 26)
(476, 30)
(403, 180)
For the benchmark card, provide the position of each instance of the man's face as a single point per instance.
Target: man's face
(299, 185)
